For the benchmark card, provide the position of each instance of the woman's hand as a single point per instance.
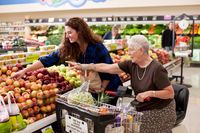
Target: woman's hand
(75, 65)
(19, 74)
(144, 96)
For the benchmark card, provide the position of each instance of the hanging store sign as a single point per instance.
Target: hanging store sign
(74, 3)
(13, 6)
(183, 24)
(50, 3)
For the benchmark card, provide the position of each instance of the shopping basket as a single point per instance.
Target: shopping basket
(79, 117)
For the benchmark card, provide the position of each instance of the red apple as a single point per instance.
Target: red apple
(30, 111)
(14, 69)
(39, 75)
(21, 99)
(26, 95)
(43, 109)
(32, 78)
(34, 86)
(39, 81)
(9, 81)
(24, 106)
(40, 95)
(40, 102)
(34, 93)
(22, 82)
(8, 73)
(39, 86)
(28, 90)
(53, 106)
(27, 85)
(39, 116)
(48, 107)
(4, 69)
(52, 99)
(19, 66)
(54, 85)
(23, 89)
(17, 95)
(25, 113)
(34, 101)
(3, 84)
(17, 90)
(29, 103)
(50, 86)
(56, 90)
(16, 83)
(44, 87)
(47, 101)
(46, 94)
(11, 87)
(36, 109)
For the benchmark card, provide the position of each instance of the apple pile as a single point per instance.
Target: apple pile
(153, 54)
(34, 95)
(34, 99)
(46, 79)
(69, 74)
(163, 56)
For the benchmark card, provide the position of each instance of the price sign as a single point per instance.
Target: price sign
(74, 125)
(31, 57)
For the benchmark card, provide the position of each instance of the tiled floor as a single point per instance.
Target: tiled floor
(191, 123)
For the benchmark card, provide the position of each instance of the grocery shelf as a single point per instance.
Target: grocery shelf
(39, 124)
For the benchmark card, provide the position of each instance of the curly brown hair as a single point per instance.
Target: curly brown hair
(69, 51)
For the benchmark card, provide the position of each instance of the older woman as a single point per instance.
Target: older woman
(148, 79)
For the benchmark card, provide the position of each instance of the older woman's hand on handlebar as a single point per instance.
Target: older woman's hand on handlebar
(144, 96)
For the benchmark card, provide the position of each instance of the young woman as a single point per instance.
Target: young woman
(79, 44)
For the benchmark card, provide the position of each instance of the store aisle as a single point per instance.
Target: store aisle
(191, 123)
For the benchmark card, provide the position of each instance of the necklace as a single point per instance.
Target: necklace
(142, 74)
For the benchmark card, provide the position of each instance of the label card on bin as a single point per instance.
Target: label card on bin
(74, 125)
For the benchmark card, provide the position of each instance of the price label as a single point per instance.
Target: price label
(94, 20)
(135, 18)
(74, 125)
(51, 20)
(85, 19)
(48, 129)
(31, 57)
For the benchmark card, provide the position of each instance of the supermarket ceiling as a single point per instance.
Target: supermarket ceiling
(11, 6)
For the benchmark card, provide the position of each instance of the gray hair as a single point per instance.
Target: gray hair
(139, 41)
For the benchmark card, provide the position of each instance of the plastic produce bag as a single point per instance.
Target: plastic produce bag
(94, 78)
(16, 119)
(5, 124)
(18, 122)
(12, 108)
